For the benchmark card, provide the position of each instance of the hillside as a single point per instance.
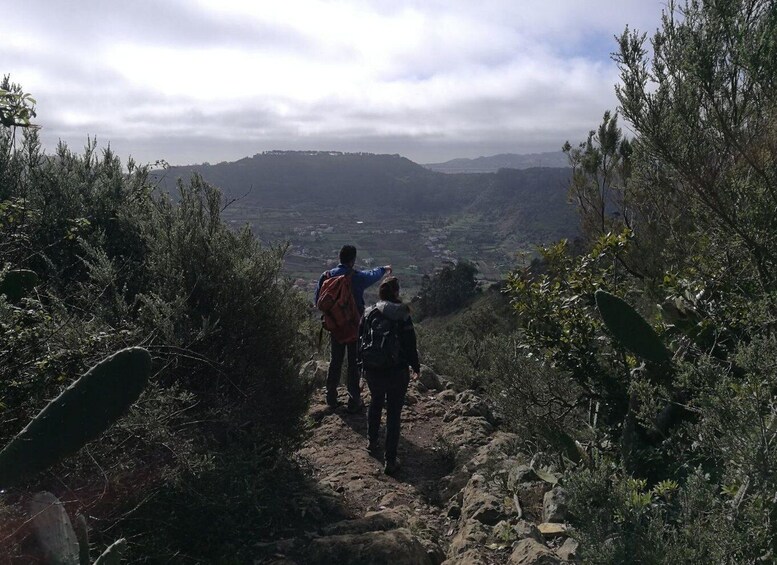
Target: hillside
(394, 210)
(502, 161)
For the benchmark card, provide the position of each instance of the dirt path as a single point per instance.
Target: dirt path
(337, 453)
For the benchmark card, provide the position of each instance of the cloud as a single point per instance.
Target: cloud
(209, 80)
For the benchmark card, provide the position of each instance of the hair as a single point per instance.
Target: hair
(347, 254)
(389, 289)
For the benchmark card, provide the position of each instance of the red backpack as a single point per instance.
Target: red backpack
(336, 301)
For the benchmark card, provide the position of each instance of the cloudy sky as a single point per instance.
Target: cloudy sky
(190, 81)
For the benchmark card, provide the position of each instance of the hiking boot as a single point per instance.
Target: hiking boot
(373, 448)
(354, 407)
(391, 467)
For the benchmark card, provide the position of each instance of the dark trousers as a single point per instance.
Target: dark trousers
(389, 389)
(335, 368)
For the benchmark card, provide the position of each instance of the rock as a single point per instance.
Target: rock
(568, 550)
(531, 552)
(481, 505)
(372, 522)
(520, 474)
(410, 399)
(434, 553)
(469, 404)
(466, 435)
(555, 505)
(469, 557)
(429, 378)
(319, 412)
(394, 547)
(471, 536)
(447, 396)
(527, 530)
(551, 529)
(313, 373)
(391, 500)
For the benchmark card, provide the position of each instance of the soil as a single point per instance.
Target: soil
(336, 451)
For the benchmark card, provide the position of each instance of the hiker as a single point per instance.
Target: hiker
(387, 347)
(359, 282)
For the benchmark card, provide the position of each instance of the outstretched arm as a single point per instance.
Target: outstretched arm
(369, 278)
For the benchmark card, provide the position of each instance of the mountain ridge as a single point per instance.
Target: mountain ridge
(492, 164)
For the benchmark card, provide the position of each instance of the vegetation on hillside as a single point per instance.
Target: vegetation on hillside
(192, 465)
(672, 457)
(643, 356)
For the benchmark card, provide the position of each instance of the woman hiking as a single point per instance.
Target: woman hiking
(387, 347)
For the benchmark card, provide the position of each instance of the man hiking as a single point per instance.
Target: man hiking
(343, 328)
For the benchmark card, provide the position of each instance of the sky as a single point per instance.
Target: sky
(193, 81)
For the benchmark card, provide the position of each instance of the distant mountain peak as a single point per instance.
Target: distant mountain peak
(493, 163)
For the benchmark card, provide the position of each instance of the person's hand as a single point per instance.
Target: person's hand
(388, 269)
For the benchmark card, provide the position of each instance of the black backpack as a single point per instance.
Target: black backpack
(379, 348)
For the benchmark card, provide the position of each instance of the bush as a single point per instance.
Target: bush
(121, 265)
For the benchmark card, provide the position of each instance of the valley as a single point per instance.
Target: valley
(393, 210)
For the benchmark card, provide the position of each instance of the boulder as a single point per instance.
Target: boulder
(466, 434)
(469, 557)
(481, 505)
(554, 505)
(526, 530)
(447, 396)
(394, 547)
(568, 550)
(471, 535)
(519, 475)
(531, 552)
(469, 404)
(313, 373)
(372, 522)
(552, 529)
(429, 379)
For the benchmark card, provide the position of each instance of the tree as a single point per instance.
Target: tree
(703, 107)
(449, 289)
(600, 171)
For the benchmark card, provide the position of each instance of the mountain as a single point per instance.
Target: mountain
(503, 161)
(389, 184)
(394, 210)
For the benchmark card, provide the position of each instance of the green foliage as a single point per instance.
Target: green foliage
(554, 300)
(702, 103)
(120, 264)
(15, 284)
(600, 171)
(16, 107)
(78, 415)
(630, 329)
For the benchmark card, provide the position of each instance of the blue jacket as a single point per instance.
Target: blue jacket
(360, 281)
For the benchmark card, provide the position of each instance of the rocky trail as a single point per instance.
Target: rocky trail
(463, 495)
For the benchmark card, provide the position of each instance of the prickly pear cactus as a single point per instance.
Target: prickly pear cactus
(16, 283)
(78, 415)
(112, 555)
(82, 534)
(630, 329)
(53, 530)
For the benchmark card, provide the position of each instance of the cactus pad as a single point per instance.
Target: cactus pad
(53, 529)
(78, 415)
(630, 329)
